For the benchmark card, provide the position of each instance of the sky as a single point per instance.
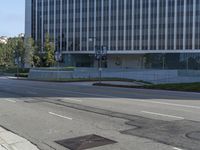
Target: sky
(12, 14)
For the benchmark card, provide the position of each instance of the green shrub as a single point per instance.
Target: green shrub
(13, 70)
(24, 75)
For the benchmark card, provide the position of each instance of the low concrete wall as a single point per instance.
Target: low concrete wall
(147, 75)
(154, 76)
(189, 73)
(48, 74)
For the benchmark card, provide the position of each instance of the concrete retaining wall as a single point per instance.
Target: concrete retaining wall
(47, 74)
(147, 75)
(189, 73)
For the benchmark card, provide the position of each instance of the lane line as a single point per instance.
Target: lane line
(9, 100)
(170, 104)
(65, 117)
(164, 115)
(71, 99)
(64, 91)
(175, 148)
(108, 96)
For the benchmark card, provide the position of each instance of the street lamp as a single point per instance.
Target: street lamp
(58, 58)
(17, 61)
(100, 54)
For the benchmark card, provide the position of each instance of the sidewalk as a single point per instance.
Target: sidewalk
(10, 141)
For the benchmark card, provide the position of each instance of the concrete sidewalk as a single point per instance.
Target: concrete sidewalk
(11, 141)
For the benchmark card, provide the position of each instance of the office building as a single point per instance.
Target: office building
(136, 33)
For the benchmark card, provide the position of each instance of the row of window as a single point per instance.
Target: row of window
(130, 25)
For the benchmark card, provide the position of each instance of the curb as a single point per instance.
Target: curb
(11, 141)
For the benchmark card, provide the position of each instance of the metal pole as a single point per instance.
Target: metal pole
(18, 69)
(17, 64)
(58, 65)
(187, 62)
(100, 67)
(163, 61)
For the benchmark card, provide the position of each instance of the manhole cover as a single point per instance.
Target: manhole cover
(85, 142)
(194, 135)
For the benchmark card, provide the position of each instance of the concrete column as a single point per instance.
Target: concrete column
(184, 26)
(157, 39)
(141, 22)
(81, 23)
(61, 17)
(194, 25)
(175, 25)
(36, 20)
(125, 19)
(133, 21)
(109, 26)
(88, 23)
(95, 22)
(48, 16)
(28, 18)
(117, 24)
(149, 25)
(67, 34)
(55, 23)
(74, 25)
(166, 26)
(102, 21)
(42, 26)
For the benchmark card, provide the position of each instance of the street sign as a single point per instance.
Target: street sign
(104, 50)
(18, 60)
(101, 53)
(58, 56)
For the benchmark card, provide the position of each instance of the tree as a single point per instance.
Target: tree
(20, 51)
(29, 52)
(6, 55)
(48, 52)
(16, 50)
(2, 47)
(38, 56)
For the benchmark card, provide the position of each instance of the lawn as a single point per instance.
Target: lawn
(190, 87)
(90, 79)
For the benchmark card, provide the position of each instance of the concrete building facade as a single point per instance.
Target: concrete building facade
(137, 33)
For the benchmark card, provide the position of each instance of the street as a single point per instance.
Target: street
(131, 119)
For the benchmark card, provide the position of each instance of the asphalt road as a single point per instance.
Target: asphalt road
(135, 119)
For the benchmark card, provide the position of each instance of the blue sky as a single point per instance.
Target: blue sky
(12, 14)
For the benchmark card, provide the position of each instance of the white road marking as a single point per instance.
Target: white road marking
(164, 115)
(64, 91)
(175, 148)
(51, 113)
(108, 96)
(170, 104)
(9, 100)
(72, 99)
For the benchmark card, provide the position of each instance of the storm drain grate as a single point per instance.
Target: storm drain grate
(85, 142)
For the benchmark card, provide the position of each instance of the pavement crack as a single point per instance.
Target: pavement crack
(49, 146)
(172, 133)
(5, 147)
